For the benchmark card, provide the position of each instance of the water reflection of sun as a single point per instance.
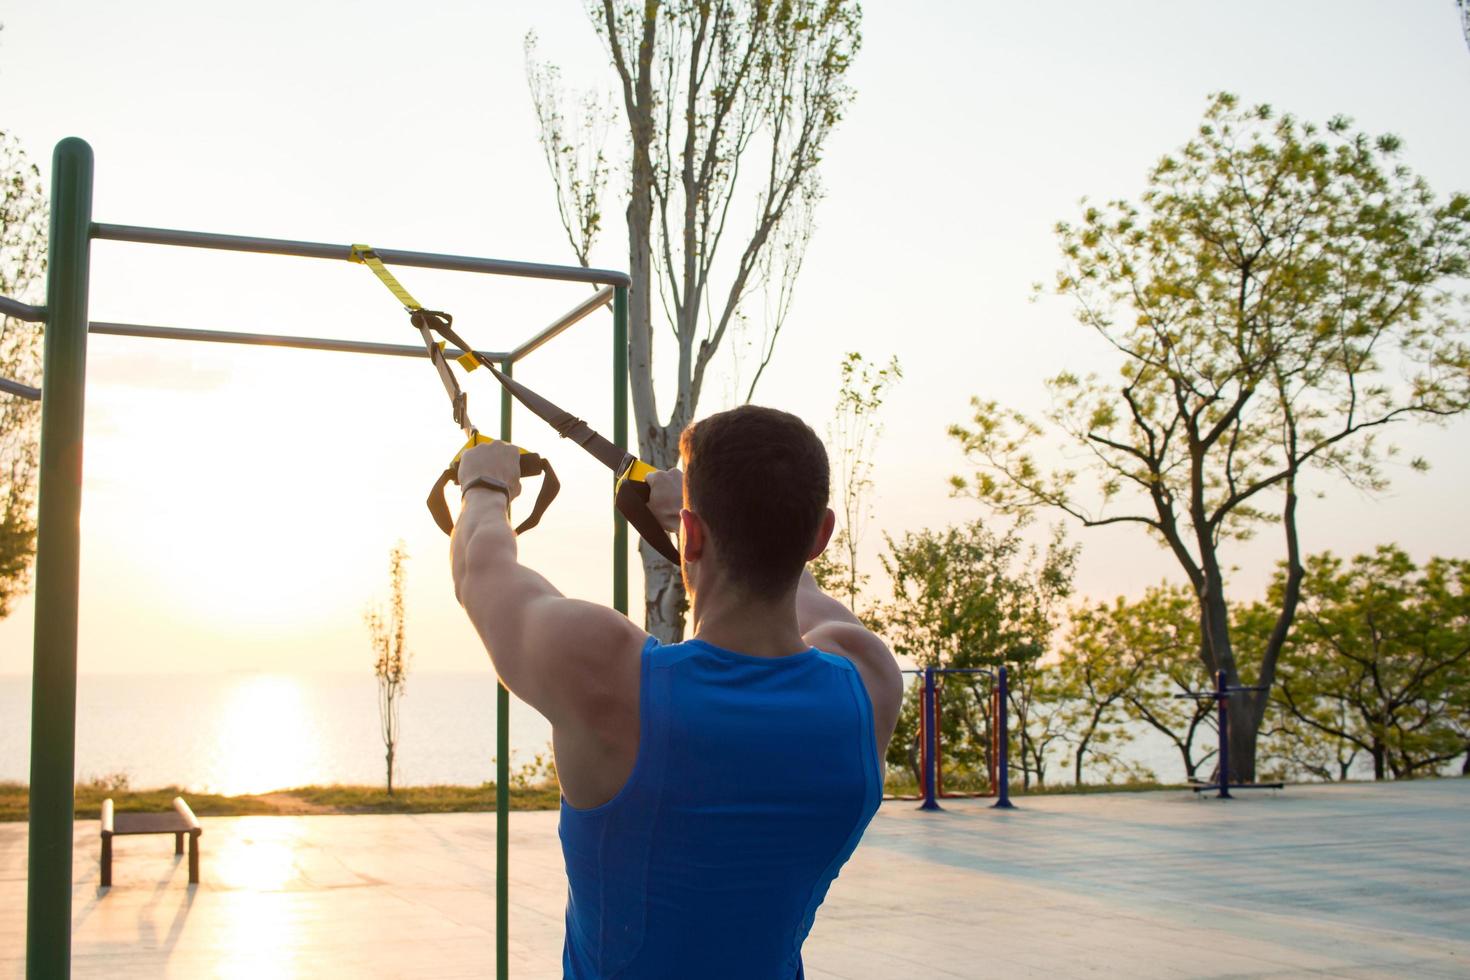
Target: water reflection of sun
(257, 882)
(265, 738)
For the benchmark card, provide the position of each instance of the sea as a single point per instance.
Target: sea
(235, 733)
(258, 732)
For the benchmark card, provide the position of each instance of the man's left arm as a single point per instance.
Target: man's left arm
(828, 625)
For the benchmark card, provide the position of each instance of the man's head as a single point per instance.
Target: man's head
(757, 480)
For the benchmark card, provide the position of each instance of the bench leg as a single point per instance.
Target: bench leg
(179, 843)
(107, 862)
(193, 859)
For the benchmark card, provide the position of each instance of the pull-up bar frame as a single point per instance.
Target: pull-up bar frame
(59, 498)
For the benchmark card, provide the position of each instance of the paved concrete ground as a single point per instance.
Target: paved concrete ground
(1346, 881)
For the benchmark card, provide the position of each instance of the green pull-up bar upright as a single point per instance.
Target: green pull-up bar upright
(59, 499)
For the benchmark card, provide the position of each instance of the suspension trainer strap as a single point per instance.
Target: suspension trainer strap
(366, 256)
(431, 322)
(630, 488)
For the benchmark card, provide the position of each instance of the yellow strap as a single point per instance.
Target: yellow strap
(637, 472)
(365, 255)
(478, 438)
(466, 360)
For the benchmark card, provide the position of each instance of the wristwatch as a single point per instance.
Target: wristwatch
(487, 482)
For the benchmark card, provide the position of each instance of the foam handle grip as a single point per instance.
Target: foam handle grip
(531, 465)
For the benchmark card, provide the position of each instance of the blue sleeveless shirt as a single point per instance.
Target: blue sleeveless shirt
(754, 780)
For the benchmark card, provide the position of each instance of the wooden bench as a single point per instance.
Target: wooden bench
(179, 821)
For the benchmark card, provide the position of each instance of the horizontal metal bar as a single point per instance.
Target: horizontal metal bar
(317, 250)
(598, 300)
(950, 670)
(271, 340)
(16, 388)
(22, 311)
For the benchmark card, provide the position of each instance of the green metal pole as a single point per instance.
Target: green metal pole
(58, 559)
(502, 773)
(620, 439)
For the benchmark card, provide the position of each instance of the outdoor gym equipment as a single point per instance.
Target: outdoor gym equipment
(59, 499)
(1221, 696)
(931, 782)
(179, 820)
(630, 489)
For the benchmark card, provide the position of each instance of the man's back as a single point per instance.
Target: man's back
(754, 780)
(721, 791)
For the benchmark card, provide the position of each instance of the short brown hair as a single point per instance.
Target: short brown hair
(759, 480)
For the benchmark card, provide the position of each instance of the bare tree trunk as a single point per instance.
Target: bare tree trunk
(705, 87)
(1244, 725)
(664, 601)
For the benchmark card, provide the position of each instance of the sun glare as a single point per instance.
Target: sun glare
(255, 863)
(265, 738)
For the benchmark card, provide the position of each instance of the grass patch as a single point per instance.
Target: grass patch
(407, 799)
(422, 799)
(1072, 789)
(15, 797)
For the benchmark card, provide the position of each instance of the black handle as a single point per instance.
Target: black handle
(632, 502)
(531, 465)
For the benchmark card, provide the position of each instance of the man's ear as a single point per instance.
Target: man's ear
(824, 534)
(692, 540)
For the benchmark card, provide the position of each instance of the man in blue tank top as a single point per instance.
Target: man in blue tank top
(711, 789)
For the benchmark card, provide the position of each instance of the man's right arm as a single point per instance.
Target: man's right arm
(566, 658)
(828, 625)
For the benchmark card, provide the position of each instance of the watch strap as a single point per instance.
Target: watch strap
(489, 483)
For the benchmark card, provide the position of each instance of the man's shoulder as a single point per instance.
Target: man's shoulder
(589, 656)
(850, 640)
(864, 649)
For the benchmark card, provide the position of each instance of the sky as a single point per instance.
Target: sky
(240, 503)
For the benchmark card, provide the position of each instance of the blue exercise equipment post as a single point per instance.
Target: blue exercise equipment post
(1221, 696)
(931, 785)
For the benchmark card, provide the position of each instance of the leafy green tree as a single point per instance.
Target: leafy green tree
(727, 106)
(1108, 657)
(1289, 750)
(852, 435)
(23, 216)
(1379, 656)
(389, 638)
(1283, 295)
(1164, 619)
(968, 596)
(1042, 711)
(1459, 712)
(1123, 663)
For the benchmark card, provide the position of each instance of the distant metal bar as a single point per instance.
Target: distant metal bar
(949, 670)
(16, 388)
(317, 250)
(271, 340)
(22, 311)
(598, 300)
